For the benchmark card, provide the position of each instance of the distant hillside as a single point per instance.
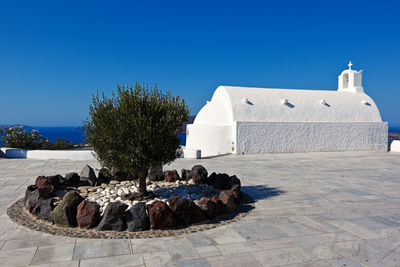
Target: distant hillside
(13, 125)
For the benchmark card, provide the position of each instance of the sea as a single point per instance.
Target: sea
(74, 134)
(395, 129)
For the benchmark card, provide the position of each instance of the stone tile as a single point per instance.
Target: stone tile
(56, 253)
(275, 243)
(312, 241)
(24, 243)
(23, 233)
(193, 263)
(17, 257)
(148, 245)
(160, 258)
(388, 232)
(307, 221)
(59, 264)
(208, 251)
(359, 251)
(324, 251)
(102, 248)
(375, 222)
(384, 245)
(387, 261)
(181, 249)
(355, 229)
(237, 260)
(122, 260)
(201, 239)
(256, 231)
(297, 229)
(283, 256)
(311, 264)
(227, 235)
(301, 200)
(344, 262)
(7, 230)
(239, 247)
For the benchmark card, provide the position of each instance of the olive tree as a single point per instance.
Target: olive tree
(135, 129)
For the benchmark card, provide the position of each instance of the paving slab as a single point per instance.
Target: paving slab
(311, 209)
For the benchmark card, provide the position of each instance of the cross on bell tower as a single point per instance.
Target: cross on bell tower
(351, 80)
(350, 64)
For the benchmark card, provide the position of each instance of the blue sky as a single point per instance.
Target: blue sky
(55, 54)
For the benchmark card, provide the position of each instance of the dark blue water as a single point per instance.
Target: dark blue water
(394, 129)
(75, 134)
(72, 134)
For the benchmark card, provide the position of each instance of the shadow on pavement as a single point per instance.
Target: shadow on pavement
(258, 192)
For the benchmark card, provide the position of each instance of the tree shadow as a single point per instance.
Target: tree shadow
(250, 195)
(258, 192)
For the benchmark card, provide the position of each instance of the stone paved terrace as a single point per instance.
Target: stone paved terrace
(312, 209)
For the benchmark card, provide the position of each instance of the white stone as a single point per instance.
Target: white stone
(285, 120)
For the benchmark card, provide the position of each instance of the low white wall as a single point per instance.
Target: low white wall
(48, 154)
(276, 137)
(395, 146)
(211, 140)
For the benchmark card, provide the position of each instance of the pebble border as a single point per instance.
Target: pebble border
(19, 215)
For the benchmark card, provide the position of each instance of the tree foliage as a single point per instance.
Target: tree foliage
(135, 129)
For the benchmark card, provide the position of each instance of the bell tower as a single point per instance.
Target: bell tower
(351, 80)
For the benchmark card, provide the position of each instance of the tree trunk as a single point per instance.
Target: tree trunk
(142, 183)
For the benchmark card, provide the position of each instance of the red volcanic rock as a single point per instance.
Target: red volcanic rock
(43, 183)
(161, 216)
(88, 215)
(230, 200)
(186, 211)
(171, 176)
(206, 205)
(219, 206)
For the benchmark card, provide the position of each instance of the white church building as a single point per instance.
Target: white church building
(246, 120)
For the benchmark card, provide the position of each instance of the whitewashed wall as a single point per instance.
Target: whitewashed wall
(273, 137)
(211, 140)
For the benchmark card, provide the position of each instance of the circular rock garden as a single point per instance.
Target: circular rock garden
(107, 202)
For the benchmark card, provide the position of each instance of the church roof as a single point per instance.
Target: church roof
(230, 103)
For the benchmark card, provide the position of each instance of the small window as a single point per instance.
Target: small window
(345, 80)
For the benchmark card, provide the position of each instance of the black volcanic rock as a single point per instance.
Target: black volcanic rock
(113, 218)
(136, 218)
(199, 174)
